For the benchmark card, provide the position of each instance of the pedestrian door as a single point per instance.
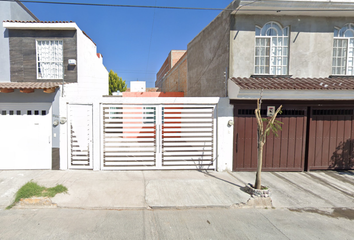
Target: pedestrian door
(158, 136)
(80, 136)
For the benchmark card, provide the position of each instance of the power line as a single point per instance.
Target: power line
(183, 8)
(117, 5)
(152, 31)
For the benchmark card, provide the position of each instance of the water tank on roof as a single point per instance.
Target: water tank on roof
(137, 86)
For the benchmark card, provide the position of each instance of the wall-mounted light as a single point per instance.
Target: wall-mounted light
(63, 120)
(230, 123)
(55, 123)
(72, 62)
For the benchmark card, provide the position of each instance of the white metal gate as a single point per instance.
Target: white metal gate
(80, 136)
(158, 137)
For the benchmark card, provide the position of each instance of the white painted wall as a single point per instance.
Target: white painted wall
(92, 84)
(92, 76)
(225, 135)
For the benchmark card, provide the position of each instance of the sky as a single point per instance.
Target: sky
(134, 42)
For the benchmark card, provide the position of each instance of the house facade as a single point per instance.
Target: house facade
(10, 10)
(48, 64)
(298, 54)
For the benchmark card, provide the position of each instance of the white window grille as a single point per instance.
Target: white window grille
(271, 51)
(49, 59)
(343, 50)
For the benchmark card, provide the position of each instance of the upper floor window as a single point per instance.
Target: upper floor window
(343, 54)
(271, 52)
(50, 59)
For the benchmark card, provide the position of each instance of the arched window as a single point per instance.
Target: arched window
(343, 50)
(271, 52)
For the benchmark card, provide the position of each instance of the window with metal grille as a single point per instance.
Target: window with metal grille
(271, 51)
(326, 112)
(343, 50)
(50, 59)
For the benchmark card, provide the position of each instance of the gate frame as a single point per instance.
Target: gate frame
(91, 164)
(159, 162)
(223, 130)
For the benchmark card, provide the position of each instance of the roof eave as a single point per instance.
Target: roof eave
(296, 8)
(40, 26)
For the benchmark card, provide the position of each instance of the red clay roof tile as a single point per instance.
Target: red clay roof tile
(283, 83)
(29, 85)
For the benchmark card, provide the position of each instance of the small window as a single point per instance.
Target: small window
(36, 112)
(29, 112)
(11, 112)
(3, 112)
(18, 112)
(50, 59)
(44, 112)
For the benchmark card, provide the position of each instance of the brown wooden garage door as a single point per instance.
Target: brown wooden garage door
(331, 139)
(283, 153)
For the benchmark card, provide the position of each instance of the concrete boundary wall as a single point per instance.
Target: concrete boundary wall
(224, 132)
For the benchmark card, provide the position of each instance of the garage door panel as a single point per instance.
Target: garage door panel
(300, 144)
(325, 140)
(284, 143)
(331, 144)
(25, 137)
(279, 153)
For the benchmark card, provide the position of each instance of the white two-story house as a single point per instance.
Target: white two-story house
(45, 63)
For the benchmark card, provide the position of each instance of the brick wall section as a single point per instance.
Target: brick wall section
(176, 56)
(153, 94)
(147, 90)
(166, 66)
(176, 79)
(173, 58)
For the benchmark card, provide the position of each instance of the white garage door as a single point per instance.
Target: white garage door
(25, 136)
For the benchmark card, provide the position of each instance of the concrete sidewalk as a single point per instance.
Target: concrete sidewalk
(182, 189)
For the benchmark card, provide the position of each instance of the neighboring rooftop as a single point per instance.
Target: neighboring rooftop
(282, 83)
(38, 21)
(26, 9)
(330, 8)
